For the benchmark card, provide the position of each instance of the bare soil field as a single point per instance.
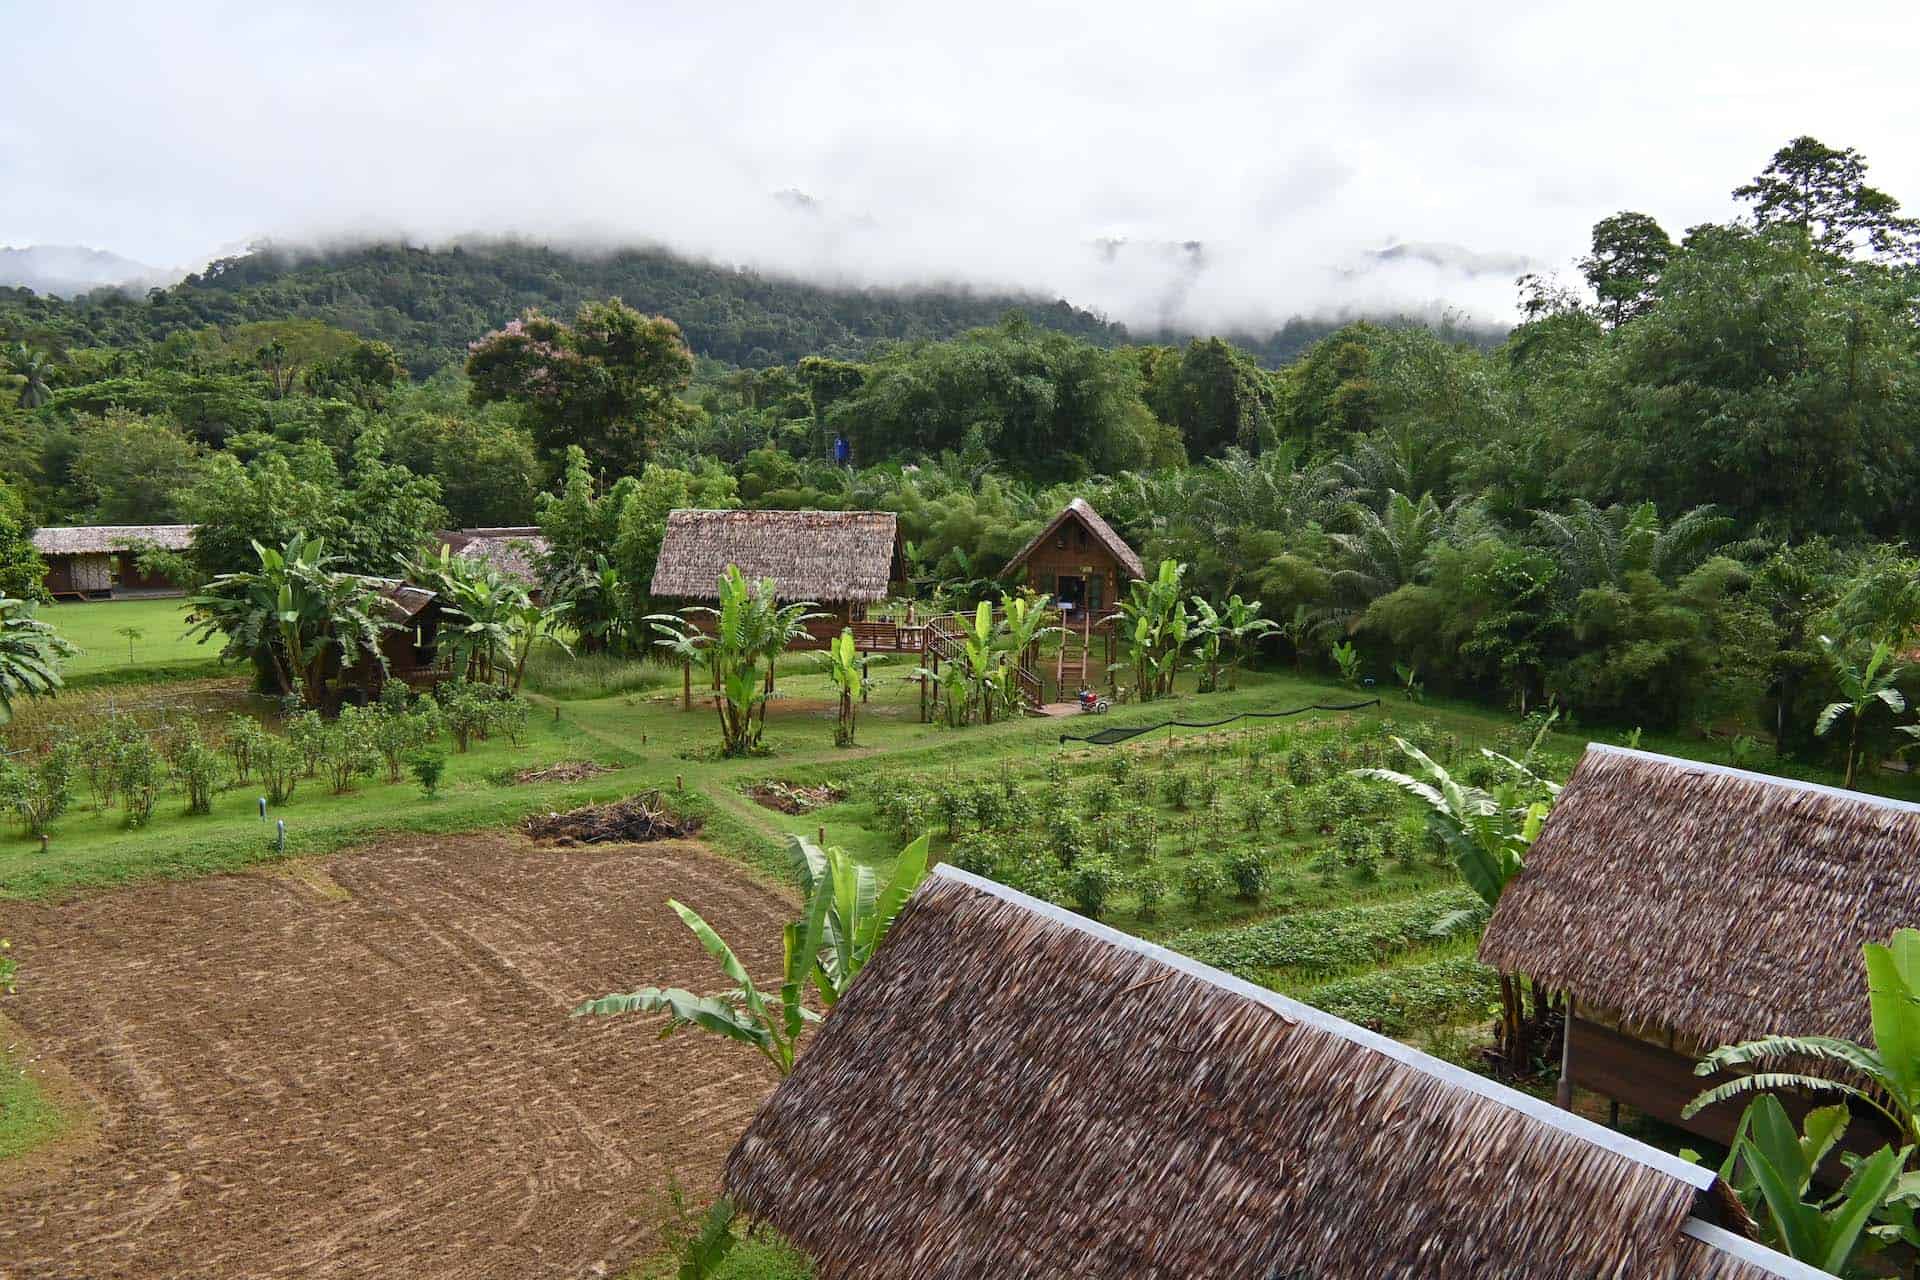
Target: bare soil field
(366, 1069)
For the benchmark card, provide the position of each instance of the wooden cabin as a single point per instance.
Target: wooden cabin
(841, 561)
(1684, 906)
(1078, 562)
(411, 648)
(101, 562)
(1009, 1089)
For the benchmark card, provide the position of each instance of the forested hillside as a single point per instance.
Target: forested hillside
(1683, 502)
(429, 303)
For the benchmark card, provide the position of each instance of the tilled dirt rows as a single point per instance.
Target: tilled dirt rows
(291, 1084)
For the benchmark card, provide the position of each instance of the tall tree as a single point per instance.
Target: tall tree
(1630, 250)
(609, 382)
(1824, 192)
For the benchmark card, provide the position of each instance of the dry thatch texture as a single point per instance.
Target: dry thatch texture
(1011, 1091)
(403, 600)
(102, 539)
(513, 550)
(1102, 532)
(829, 557)
(1720, 904)
(1709, 1253)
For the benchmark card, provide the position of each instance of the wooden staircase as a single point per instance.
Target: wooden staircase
(1071, 661)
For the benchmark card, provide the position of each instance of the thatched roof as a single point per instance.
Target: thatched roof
(404, 601)
(829, 557)
(1719, 904)
(106, 539)
(1012, 1090)
(514, 550)
(1102, 533)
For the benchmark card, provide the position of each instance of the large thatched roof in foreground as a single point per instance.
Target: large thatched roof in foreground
(1102, 533)
(829, 557)
(1010, 1090)
(1721, 904)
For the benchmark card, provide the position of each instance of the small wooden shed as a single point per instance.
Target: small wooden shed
(1079, 562)
(842, 561)
(98, 562)
(1012, 1090)
(411, 648)
(1684, 906)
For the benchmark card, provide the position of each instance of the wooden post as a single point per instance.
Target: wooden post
(821, 839)
(923, 696)
(866, 684)
(1563, 1095)
(686, 685)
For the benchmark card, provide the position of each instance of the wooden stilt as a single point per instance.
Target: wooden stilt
(1563, 1095)
(686, 686)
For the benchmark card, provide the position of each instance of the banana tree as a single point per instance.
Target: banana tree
(1024, 623)
(977, 633)
(842, 661)
(1864, 687)
(1157, 628)
(1770, 1169)
(483, 610)
(1488, 833)
(859, 910)
(743, 1013)
(748, 629)
(534, 625)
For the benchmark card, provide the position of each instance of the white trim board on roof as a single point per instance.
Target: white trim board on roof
(1747, 1251)
(1728, 771)
(1697, 1176)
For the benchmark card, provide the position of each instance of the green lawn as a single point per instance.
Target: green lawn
(27, 1118)
(107, 655)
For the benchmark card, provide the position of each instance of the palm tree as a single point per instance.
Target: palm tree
(1387, 549)
(292, 614)
(33, 368)
(1599, 546)
(1863, 687)
(30, 654)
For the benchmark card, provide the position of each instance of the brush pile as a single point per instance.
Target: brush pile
(630, 821)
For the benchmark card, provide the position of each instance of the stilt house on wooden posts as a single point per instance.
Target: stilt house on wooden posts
(100, 562)
(1010, 1090)
(1684, 906)
(842, 561)
(1080, 564)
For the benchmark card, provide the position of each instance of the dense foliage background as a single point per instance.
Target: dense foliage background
(1647, 503)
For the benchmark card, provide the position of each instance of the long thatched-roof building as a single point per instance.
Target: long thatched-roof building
(1687, 905)
(96, 562)
(843, 561)
(1012, 1090)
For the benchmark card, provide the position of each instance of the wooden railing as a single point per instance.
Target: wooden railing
(945, 640)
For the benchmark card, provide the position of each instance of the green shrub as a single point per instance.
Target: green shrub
(277, 762)
(307, 733)
(1397, 1001)
(1178, 789)
(1247, 870)
(1151, 889)
(38, 793)
(347, 748)
(1202, 882)
(136, 775)
(509, 717)
(197, 767)
(1321, 943)
(1091, 884)
(243, 739)
(467, 709)
(428, 766)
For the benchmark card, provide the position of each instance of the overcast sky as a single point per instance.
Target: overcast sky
(976, 141)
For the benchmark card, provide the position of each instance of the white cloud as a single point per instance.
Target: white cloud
(994, 143)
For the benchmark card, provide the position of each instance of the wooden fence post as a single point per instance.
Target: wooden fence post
(686, 685)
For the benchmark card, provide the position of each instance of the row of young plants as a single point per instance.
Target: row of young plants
(125, 765)
(1335, 940)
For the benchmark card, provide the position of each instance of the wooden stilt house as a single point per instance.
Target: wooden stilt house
(1684, 906)
(101, 562)
(1010, 1090)
(1080, 564)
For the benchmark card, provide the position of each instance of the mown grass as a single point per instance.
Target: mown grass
(162, 647)
(28, 1118)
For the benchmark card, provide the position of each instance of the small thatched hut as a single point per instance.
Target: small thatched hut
(1078, 561)
(843, 561)
(1012, 1090)
(411, 648)
(1686, 906)
(513, 550)
(98, 562)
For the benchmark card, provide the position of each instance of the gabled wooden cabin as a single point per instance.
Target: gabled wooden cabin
(100, 562)
(1079, 562)
(1684, 906)
(842, 561)
(1010, 1090)
(411, 648)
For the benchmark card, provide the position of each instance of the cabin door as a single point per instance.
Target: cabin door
(1072, 594)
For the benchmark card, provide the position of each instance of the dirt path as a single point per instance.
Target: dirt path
(291, 1083)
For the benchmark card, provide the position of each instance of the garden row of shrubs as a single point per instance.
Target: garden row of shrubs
(1398, 1001)
(122, 763)
(1321, 944)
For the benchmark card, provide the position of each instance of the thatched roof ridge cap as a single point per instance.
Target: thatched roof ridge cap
(1697, 1176)
(1708, 768)
(1750, 1252)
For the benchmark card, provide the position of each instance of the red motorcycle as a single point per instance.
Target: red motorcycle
(1094, 704)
